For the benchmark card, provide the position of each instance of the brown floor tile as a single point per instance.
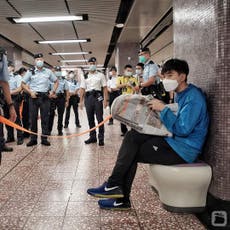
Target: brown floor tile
(44, 223)
(12, 222)
(82, 222)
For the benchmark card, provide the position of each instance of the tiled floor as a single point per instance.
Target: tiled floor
(45, 188)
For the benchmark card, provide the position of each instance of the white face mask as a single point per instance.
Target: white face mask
(71, 75)
(128, 73)
(92, 68)
(110, 73)
(170, 84)
(138, 71)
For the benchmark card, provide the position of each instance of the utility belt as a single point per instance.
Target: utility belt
(60, 95)
(43, 95)
(95, 93)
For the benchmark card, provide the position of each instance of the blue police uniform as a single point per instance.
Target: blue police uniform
(73, 101)
(59, 103)
(39, 83)
(14, 83)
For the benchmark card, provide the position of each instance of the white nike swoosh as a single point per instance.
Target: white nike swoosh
(109, 189)
(155, 148)
(115, 204)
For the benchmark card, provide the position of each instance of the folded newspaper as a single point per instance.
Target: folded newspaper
(132, 110)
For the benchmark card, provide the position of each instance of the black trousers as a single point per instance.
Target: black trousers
(137, 147)
(112, 97)
(42, 103)
(26, 112)
(58, 103)
(10, 130)
(2, 140)
(94, 107)
(73, 101)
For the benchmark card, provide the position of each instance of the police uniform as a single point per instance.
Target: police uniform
(4, 76)
(73, 101)
(14, 83)
(58, 102)
(39, 83)
(93, 85)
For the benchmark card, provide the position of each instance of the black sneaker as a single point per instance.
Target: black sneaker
(114, 204)
(78, 126)
(106, 192)
(10, 139)
(91, 140)
(101, 143)
(60, 133)
(7, 149)
(31, 143)
(45, 142)
(66, 126)
(19, 142)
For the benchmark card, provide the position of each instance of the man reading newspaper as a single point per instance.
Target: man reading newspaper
(188, 127)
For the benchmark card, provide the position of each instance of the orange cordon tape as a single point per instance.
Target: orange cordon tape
(12, 124)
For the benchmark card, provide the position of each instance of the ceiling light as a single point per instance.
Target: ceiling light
(119, 25)
(63, 41)
(72, 53)
(83, 60)
(82, 17)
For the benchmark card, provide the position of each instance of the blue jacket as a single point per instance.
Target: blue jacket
(190, 126)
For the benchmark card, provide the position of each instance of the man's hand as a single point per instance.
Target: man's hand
(81, 105)
(13, 114)
(156, 105)
(33, 95)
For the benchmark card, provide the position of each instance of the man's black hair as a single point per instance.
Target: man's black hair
(128, 66)
(113, 68)
(178, 65)
(22, 70)
(141, 65)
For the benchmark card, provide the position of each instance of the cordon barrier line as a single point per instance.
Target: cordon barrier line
(13, 125)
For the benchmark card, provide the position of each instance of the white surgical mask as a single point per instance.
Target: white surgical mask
(110, 73)
(170, 84)
(92, 68)
(58, 73)
(127, 73)
(138, 71)
(71, 75)
(39, 64)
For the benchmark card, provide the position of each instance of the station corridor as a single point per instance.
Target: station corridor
(45, 187)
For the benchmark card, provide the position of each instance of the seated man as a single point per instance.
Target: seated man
(189, 128)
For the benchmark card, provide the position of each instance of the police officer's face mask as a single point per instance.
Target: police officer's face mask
(58, 73)
(142, 59)
(71, 76)
(92, 68)
(39, 63)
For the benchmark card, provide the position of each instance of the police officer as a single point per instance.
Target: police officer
(91, 88)
(15, 90)
(151, 81)
(112, 89)
(73, 100)
(59, 100)
(4, 77)
(39, 79)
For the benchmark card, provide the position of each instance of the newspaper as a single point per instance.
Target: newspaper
(132, 110)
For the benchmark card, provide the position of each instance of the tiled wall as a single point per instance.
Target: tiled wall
(202, 37)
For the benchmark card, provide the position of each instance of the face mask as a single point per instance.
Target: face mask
(142, 59)
(39, 64)
(127, 73)
(58, 74)
(71, 75)
(110, 73)
(170, 84)
(138, 71)
(92, 68)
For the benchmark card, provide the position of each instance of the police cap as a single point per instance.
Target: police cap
(92, 59)
(40, 55)
(147, 50)
(57, 68)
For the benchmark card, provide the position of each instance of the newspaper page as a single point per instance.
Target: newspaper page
(132, 110)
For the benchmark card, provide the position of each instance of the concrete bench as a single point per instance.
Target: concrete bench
(183, 187)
